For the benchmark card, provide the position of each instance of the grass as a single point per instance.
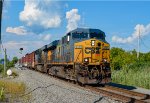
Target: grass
(13, 90)
(2, 96)
(12, 87)
(133, 77)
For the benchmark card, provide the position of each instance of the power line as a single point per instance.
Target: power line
(144, 43)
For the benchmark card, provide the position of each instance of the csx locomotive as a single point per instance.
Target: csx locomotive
(82, 55)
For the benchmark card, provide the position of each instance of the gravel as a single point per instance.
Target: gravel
(142, 90)
(46, 89)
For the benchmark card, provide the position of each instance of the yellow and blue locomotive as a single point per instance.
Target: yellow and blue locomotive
(82, 55)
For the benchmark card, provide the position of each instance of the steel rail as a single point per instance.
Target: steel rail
(115, 96)
(134, 94)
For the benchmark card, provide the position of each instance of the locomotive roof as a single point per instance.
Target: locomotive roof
(77, 30)
(54, 43)
(44, 47)
(86, 30)
(41, 49)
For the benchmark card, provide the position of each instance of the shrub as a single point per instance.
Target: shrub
(1, 67)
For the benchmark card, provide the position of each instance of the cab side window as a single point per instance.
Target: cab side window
(79, 35)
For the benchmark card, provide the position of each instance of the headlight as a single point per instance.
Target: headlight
(86, 60)
(105, 60)
(92, 42)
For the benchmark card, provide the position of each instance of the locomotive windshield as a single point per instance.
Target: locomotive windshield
(79, 35)
(97, 35)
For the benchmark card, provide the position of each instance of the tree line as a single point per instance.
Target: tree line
(121, 59)
(9, 64)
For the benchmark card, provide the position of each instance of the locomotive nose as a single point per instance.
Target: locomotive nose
(96, 51)
(92, 51)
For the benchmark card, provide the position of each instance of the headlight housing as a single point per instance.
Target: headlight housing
(92, 42)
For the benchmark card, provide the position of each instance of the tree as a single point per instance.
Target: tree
(1, 67)
(121, 59)
(117, 56)
(15, 60)
(1, 61)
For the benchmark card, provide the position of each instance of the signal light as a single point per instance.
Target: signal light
(21, 48)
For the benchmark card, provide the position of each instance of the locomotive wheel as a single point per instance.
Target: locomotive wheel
(74, 82)
(81, 84)
(49, 72)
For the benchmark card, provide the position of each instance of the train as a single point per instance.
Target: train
(82, 55)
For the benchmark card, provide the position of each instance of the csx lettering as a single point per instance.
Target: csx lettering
(92, 50)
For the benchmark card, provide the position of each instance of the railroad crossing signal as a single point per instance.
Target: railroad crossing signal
(21, 49)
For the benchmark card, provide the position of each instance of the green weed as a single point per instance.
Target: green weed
(133, 77)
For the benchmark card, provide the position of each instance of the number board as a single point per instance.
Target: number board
(92, 50)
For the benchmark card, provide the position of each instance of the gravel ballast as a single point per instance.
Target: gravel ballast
(46, 89)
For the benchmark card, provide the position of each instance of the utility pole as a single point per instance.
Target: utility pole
(5, 61)
(138, 51)
(1, 7)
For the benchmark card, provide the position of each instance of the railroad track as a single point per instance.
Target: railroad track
(136, 95)
(115, 93)
(120, 94)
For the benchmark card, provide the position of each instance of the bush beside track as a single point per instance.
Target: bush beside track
(128, 70)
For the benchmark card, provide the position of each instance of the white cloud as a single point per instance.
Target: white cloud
(139, 28)
(28, 46)
(17, 30)
(73, 18)
(46, 37)
(13, 45)
(41, 13)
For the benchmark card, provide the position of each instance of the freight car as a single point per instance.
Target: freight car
(82, 55)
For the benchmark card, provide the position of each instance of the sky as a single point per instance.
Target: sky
(31, 24)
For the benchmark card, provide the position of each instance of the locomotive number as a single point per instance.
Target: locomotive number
(93, 50)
